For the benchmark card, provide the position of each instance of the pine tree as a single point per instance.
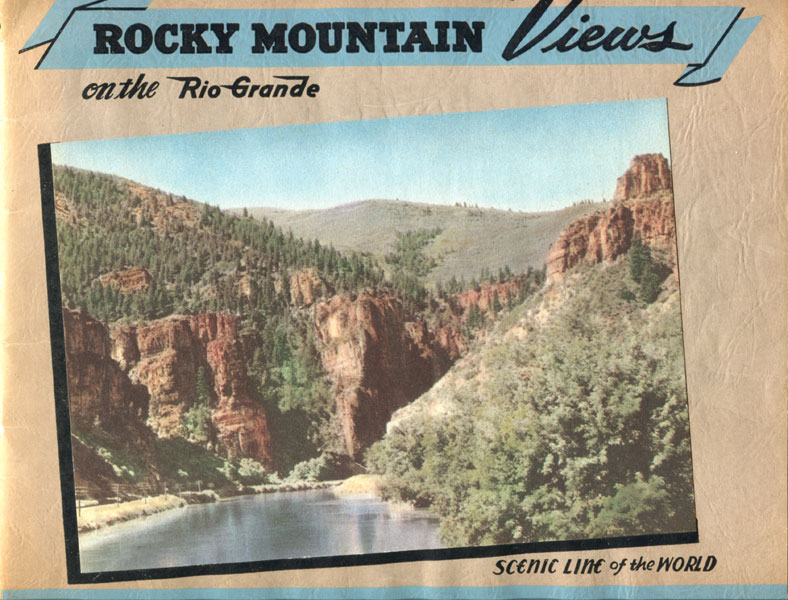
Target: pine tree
(637, 258)
(496, 304)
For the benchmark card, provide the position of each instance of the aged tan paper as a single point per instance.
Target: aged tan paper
(727, 146)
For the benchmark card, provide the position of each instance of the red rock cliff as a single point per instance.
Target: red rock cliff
(377, 360)
(102, 396)
(166, 355)
(100, 393)
(643, 206)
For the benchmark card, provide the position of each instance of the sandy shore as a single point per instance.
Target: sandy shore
(361, 485)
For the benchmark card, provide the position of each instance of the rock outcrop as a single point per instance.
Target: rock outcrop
(377, 361)
(166, 356)
(648, 173)
(485, 295)
(130, 279)
(643, 207)
(63, 209)
(306, 287)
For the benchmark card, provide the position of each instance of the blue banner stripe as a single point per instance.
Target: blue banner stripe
(611, 592)
(108, 34)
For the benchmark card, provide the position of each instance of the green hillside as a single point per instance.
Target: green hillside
(200, 259)
(471, 239)
(569, 420)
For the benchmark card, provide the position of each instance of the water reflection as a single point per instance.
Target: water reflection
(270, 526)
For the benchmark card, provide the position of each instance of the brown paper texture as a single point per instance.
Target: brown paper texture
(727, 146)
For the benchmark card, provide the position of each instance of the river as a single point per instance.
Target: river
(251, 528)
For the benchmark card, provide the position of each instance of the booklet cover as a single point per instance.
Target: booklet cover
(393, 300)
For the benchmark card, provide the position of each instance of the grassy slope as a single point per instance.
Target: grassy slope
(472, 238)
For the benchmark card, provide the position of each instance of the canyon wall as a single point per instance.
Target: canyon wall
(166, 356)
(101, 396)
(377, 360)
(141, 380)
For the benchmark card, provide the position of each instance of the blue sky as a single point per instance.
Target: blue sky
(528, 159)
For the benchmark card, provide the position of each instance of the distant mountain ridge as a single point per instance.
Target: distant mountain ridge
(470, 240)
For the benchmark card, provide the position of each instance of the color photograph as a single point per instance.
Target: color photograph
(371, 337)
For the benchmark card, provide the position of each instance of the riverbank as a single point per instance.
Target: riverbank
(99, 516)
(371, 486)
(298, 486)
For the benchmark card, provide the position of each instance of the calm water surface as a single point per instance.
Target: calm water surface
(265, 527)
